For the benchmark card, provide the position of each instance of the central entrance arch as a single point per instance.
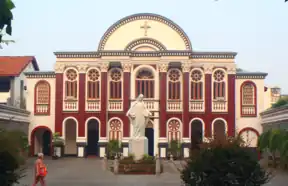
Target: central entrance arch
(149, 133)
(92, 137)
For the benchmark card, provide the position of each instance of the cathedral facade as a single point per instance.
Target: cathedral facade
(192, 95)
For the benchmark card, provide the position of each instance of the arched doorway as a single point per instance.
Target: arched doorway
(70, 137)
(249, 136)
(149, 133)
(196, 133)
(41, 141)
(219, 130)
(92, 137)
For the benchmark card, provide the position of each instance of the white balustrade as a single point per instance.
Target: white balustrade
(174, 105)
(70, 105)
(248, 110)
(196, 106)
(93, 105)
(42, 108)
(115, 105)
(219, 106)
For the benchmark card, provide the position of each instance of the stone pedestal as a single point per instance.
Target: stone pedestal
(138, 147)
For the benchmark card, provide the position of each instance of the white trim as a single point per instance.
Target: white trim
(203, 127)
(87, 80)
(64, 87)
(64, 126)
(225, 81)
(133, 78)
(203, 84)
(221, 119)
(168, 80)
(180, 128)
(108, 127)
(121, 80)
(86, 126)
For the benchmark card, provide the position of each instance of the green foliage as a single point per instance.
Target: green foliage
(282, 101)
(147, 157)
(113, 148)
(174, 148)
(275, 141)
(6, 16)
(12, 144)
(224, 162)
(57, 140)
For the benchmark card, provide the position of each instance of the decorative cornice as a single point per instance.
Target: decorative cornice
(255, 76)
(191, 55)
(186, 67)
(82, 68)
(208, 69)
(163, 67)
(59, 68)
(144, 16)
(140, 41)
(104, 67)
(126, 67)
(40, 74)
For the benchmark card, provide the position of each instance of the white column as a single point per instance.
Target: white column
(156, 133)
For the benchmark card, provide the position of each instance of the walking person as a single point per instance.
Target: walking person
(40, 171)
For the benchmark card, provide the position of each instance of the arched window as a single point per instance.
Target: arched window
(174, 84)
(145, 83)
(115, 84)
(248, 99)
(93, 84)
(196, 85)
(115, 132)
(174, 130)
(219, 85)
(71, 84)
(42, 98)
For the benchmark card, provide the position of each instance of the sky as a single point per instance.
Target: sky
(256, 29)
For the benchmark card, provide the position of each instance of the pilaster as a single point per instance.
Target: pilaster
(208, 69)
(163, 67)
(126, 67)
(186, 67)
(104, 101)
(231, 121)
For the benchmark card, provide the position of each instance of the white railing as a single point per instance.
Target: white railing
(70, 105)
(174, 105)
(196, 106)
(151, 104)
(93, 105)
(248, 110)
(115, 105)
(219, 106)
(42, 108)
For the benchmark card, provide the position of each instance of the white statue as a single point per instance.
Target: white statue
(139, 117)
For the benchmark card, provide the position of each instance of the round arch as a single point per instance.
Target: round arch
(86, 125)
(180, 128)
(253, 143)
(108, 126)
(32, 138)
(249, 129)
(64, 126)
(146, 16)
(203, 126)
(73, 68)
(134, 74)
(141, 41)
(219, 119)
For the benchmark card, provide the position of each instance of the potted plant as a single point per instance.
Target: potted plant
(174, 149)
(58, 146)
(113, 148)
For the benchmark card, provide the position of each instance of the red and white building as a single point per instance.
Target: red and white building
(192, 95)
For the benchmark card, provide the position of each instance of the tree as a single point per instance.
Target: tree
(282, 101)
(224, 162)
(6, 17)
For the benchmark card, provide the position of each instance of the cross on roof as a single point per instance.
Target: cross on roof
(145, 27)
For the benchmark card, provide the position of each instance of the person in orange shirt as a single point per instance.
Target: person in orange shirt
(40, 171)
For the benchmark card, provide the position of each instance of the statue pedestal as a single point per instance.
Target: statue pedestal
(138, 147)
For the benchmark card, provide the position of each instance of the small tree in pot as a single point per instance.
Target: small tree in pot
(113, 148)
(224, 162)
(58, 146)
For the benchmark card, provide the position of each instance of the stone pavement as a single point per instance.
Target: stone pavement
(86, 172)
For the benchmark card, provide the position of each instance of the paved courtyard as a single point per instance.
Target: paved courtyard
(86, 172)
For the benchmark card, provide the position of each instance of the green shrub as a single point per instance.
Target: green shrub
(11, 157)
(223, 163)
(113, 148)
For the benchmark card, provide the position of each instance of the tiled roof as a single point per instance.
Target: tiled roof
(14, 65)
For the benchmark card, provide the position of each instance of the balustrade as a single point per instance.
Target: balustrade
(93, 105)
(219, 106)
(70, 105)
(42, 108)
(115, 105)
(150, 104)
(174, 105)
(196, 106)
(248, 110)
